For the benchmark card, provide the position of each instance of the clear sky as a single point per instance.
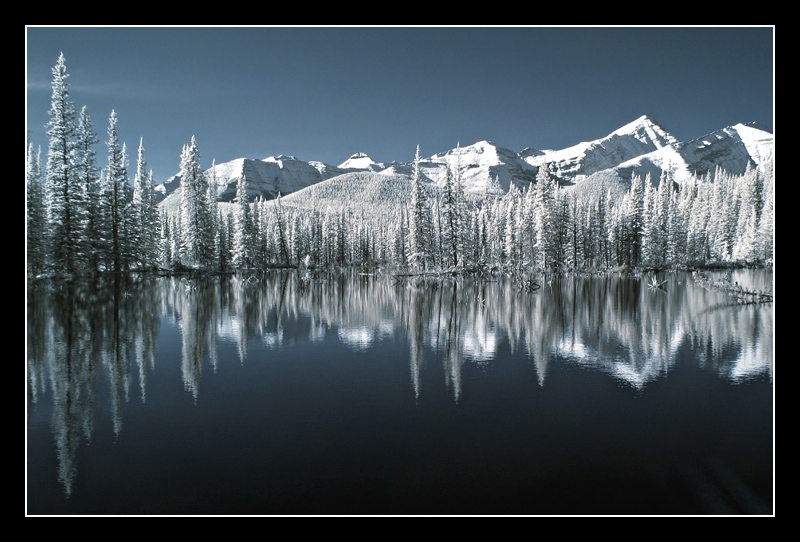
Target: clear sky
(326, 93)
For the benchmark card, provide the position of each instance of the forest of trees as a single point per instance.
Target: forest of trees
(83, 218)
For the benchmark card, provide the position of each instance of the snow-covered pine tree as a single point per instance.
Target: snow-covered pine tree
(164, 241)
(197, 236)
(87, 173)
(63, 193)
(36, 213)
(563, 218)
(281, 235)
(766, 225)
(651, 231)
(144, 214)
(697, 192)
(601, 226)
(419, 227)
(495, 238)
(677, 225)
(724, 215)
(664, 212)
(213, 217)
(225, 237)
(114, 200)
(748, 192)
(544, 219)
(511, 241)
(452, 209)
(574, 230)
(526, 228)
(631, 222)
(242, 247)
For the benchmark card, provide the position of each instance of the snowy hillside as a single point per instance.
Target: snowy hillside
(357, 191)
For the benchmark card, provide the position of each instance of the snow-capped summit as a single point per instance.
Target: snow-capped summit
(647, 131)
(361, 161)
(478, 164)
(731, 149)
(575, 163)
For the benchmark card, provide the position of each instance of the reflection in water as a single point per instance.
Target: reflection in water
(72, 331)
(613, 324)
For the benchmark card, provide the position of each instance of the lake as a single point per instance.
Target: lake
(290, 393)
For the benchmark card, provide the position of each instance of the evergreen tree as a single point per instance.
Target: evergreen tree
(511, 242)
(766, 225)
(697, 235)
(664, 216)
(165, 241)
(242, 248)
(144, 214)
(650, 227)
(36, 213)
(544, 218)
(495, 235)
(281, 239)
(88, 179)
(632, 223)
(677, 226)
(452, 205)
(574, 230)
(115, 201)
(63, 193)
(748, 192)
(601, 228)
(225, 236)
(562, 227)
(197, 236)
(213, 217)
(419, 228)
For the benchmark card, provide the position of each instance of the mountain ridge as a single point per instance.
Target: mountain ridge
(639, 147)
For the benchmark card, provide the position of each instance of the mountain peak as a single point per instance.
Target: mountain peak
(280, 158)
(754, 125)
(646, 130)
(360, 160)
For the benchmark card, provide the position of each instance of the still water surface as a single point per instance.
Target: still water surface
(292, 394)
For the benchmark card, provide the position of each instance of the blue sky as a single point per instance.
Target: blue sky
(326, 93)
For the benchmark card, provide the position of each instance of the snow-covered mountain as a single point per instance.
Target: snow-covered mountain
(575, 163)
(730, 149)
(265, 178)
(361, 162)
(639, 147)
(479, 164)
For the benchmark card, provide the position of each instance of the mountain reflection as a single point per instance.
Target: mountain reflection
(77, 336)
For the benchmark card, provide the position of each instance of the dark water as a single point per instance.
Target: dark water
(284, 394)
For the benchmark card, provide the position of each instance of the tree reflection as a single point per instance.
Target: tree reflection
(73, 330)
(614, 324)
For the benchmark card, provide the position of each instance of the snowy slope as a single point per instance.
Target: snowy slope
(361, 191)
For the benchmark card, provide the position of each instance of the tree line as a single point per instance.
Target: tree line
(82, 218)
